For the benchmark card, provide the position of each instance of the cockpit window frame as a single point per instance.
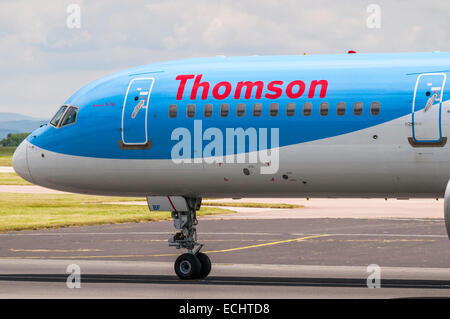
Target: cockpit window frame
(68, 107)
(59, 120)
(64, 116)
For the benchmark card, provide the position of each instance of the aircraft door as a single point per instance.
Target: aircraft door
(135, 112)
(426, 115)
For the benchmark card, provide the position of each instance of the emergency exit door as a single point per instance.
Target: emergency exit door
(135, 112)
(426, 115)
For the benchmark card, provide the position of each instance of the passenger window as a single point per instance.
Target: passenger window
(290, 109)
(70, 117)
(208, 110)
(324, 108)
(224, 109)
(357, 108)
(257, 109)
(340, 108)
(55, 120)
(375, 108)
(173, 110)
(190, 111)
(273, 109)
(307, 109)
(240, 110)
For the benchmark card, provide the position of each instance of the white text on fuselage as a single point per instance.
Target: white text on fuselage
(251, 146)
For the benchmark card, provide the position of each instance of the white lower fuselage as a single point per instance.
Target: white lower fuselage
(350, 165)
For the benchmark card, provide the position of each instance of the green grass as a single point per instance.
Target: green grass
(12, 179)
(37, 211)
(7, 151)
(6, 154)
(258, 205)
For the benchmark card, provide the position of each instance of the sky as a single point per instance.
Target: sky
(45, 55)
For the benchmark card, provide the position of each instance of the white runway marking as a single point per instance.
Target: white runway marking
(245, 234)
(130, 233)
(17, 266)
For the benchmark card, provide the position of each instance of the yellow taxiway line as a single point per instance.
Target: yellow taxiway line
(164, 255)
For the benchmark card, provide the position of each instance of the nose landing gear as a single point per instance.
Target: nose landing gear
(193, 264)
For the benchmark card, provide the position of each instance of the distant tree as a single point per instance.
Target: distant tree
(13, 139)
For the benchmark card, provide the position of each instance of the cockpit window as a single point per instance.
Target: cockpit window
(55, 120)
(70, 116)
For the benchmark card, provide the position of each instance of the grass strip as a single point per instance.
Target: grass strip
(39, 211)
(256, 205)
(12, 179)
(6, 154)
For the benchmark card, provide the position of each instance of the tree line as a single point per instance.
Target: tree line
(13, 139)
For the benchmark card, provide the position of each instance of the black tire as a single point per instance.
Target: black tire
(187, 266)
(206, 265)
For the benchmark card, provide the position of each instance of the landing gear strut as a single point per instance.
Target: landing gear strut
(193, 264)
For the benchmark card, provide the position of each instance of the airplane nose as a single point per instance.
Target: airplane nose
(20, 162)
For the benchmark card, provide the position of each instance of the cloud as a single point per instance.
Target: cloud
(38, 52)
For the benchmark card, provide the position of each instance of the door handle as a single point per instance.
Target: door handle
(137, 108)
(430, 103)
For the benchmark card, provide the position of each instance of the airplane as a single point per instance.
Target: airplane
(309, 126)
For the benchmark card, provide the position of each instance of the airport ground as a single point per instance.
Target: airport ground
(257, 253)
(319, 249)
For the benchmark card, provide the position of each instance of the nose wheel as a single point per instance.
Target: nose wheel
(206, 265)
(193, 264)
(190, 266)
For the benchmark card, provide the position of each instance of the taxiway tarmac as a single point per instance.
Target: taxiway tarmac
(253, 258)
(138, 279)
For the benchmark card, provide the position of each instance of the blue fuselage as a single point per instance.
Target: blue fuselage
(350, 125)
(388, 79)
